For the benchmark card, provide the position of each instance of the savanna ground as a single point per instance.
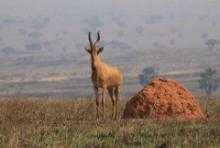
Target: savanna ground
(34, 122)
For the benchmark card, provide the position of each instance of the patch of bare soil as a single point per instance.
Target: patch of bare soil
(164, 99)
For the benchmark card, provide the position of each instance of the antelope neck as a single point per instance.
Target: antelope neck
(96, 61)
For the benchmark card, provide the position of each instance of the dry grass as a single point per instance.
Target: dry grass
(71, 123)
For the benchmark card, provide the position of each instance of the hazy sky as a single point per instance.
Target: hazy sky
(131, 7)
(73, 16)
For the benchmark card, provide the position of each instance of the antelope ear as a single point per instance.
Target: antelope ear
(88, 50)
(100, 49)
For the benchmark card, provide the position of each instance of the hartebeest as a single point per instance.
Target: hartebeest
(104, 76)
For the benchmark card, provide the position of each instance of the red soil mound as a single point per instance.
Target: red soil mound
(162, 99)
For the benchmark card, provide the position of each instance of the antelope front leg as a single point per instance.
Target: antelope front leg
(103, 102)
(97, 102)
(117, 94)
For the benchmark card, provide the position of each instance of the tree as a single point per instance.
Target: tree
(35, 35)
(8, 50)
(211, 43)
(34, 46)
(209, 81)
(147, 75)
(139, 30)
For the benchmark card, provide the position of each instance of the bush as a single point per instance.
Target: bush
(147, 75)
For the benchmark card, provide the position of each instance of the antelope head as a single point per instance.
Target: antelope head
(94, 49)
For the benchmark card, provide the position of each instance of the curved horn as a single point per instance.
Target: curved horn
(98, 37)
(90, 39)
